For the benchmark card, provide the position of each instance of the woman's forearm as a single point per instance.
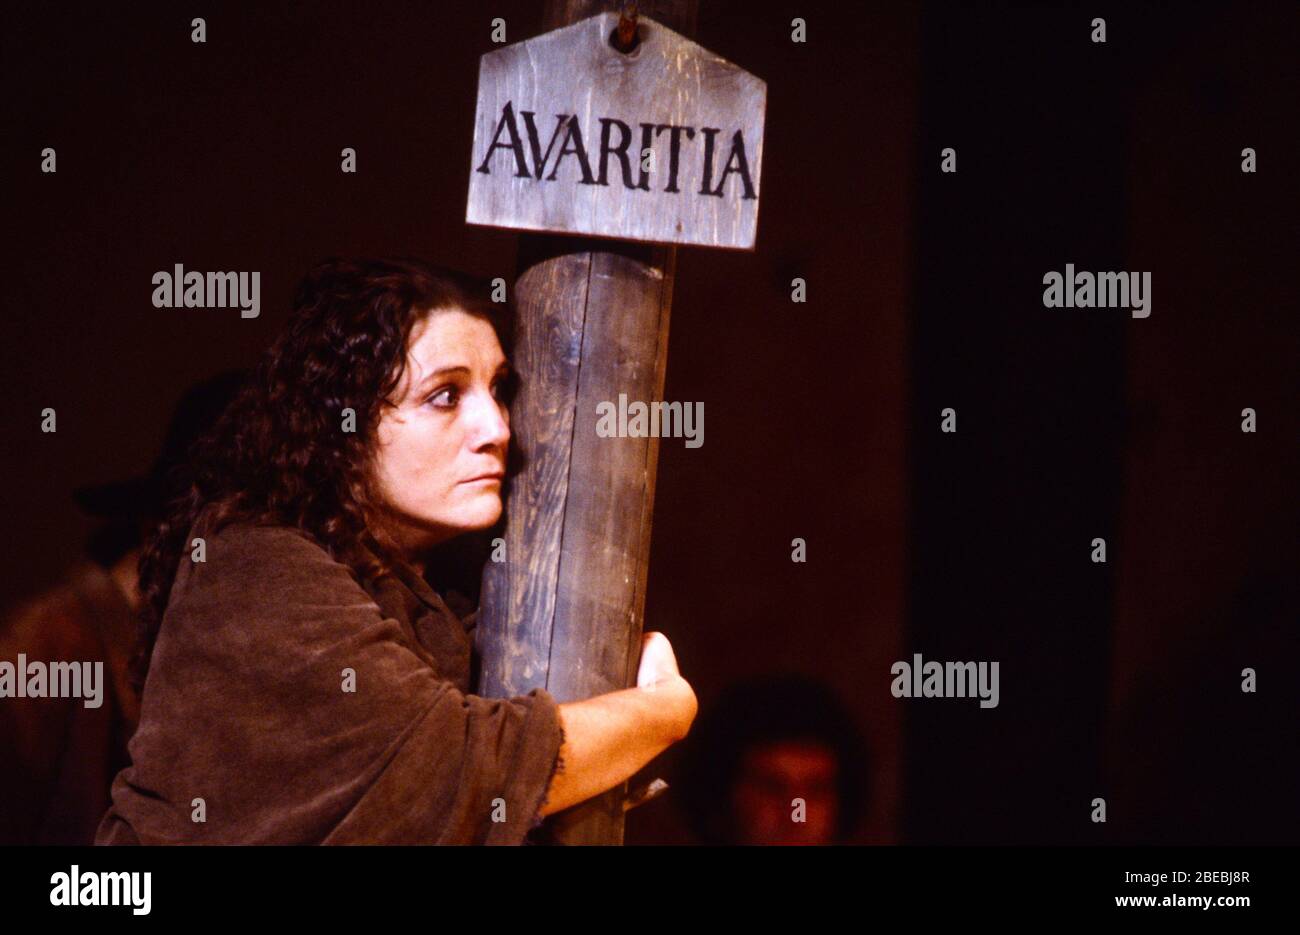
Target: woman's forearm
(609, 737)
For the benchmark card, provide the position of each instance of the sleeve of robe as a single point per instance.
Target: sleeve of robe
(245, 708)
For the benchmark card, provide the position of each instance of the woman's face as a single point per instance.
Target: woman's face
(441, 453)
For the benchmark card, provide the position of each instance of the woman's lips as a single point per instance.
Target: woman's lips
(483, 479)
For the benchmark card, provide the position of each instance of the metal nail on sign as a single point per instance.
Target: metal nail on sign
(664, 143)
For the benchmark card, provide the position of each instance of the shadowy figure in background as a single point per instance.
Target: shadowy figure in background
(776, 760)
(58, 757)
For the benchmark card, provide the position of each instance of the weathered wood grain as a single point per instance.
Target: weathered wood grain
(566, 610)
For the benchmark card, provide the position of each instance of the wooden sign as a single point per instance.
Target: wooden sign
(663, 144)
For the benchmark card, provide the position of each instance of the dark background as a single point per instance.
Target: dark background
(925, 291)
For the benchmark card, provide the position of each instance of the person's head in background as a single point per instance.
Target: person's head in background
(129, 509)
(776, 760)
(377, 422)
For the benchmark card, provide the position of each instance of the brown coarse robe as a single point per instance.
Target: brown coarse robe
(245, 708)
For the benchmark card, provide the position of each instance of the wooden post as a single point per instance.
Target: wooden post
(565, 610)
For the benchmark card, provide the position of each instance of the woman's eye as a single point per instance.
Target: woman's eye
(450, 393)
(449, 396)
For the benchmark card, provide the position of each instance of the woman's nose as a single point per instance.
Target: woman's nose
(492, 426)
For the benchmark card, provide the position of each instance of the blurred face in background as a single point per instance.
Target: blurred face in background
(770, 777)
(440, 456)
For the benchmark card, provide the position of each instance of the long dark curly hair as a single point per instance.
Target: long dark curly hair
(278, 455)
